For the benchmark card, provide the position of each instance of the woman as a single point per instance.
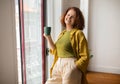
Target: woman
(70, 51)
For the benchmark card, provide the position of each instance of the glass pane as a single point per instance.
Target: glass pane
(33, 45)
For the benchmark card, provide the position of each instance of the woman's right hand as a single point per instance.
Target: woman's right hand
(46, 36)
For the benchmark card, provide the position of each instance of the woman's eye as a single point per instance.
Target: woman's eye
(68, 15)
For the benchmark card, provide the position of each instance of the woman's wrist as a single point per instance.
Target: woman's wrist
(48, 37)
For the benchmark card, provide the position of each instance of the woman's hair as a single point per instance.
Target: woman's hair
(79, 22)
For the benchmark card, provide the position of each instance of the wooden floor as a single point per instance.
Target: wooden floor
(103, 78)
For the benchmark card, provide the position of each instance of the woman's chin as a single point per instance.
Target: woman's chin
(67, 23)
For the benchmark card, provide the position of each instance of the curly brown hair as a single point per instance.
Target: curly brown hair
(79, 22)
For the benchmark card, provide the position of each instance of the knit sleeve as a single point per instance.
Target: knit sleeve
(82, 52)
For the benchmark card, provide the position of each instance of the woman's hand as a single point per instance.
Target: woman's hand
(46, 36)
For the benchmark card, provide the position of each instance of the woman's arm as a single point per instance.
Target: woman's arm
(50, 41)
(83, 52)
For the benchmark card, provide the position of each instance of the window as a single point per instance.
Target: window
(30, 43)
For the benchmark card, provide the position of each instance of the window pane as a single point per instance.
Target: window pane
(32, 32)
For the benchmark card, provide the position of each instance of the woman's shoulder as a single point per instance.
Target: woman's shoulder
(62, 32)
(77, 32)
(80, 35)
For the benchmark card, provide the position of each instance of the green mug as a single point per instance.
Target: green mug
(47, 30)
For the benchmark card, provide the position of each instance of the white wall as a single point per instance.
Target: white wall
(104, 32)
(8, 57)
(69, 3)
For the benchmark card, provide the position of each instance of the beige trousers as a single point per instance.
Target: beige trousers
(65, 72)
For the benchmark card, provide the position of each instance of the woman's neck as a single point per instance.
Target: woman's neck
(68, 28)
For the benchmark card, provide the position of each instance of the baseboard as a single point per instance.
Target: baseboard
(106, 69)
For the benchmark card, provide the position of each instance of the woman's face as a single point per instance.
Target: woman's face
(70, 17)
